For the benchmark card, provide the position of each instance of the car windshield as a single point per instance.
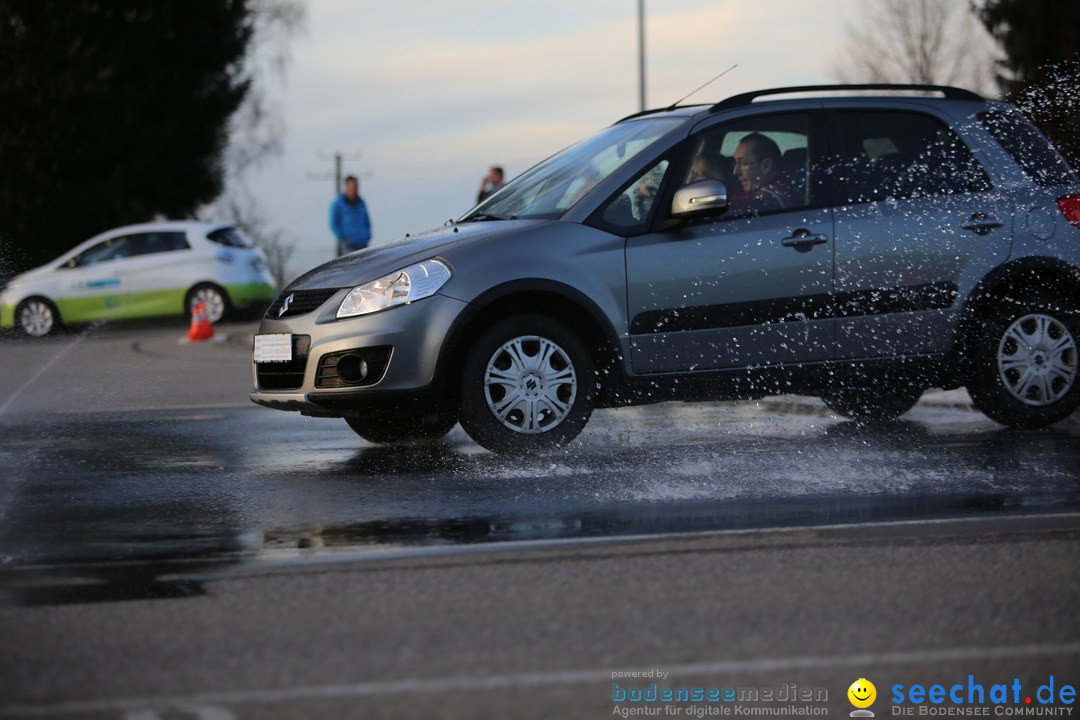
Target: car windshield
(556, 184)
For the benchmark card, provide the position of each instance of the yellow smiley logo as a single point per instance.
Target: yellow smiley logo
(862, 693)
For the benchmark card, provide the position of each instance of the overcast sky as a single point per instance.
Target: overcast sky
(423, 96)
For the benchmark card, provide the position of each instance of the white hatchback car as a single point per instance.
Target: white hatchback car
(147, 270)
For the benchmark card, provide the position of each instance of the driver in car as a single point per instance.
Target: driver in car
(762, 185)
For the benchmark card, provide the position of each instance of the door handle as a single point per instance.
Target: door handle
(981, 223)
(802, 240)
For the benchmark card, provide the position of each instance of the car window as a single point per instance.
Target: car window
(104, 251)
(764, 161)
(630, 209)
(157, 242)
(1028, 147)
(887, 154)
(229, 237)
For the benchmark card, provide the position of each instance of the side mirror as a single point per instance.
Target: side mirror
(707, 197)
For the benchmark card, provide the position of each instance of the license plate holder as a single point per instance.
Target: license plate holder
(273, 348)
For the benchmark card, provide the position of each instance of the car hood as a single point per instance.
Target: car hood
(41, 272)
(374, 262)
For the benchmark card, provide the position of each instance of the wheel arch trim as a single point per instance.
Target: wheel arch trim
(571, 306)
(1034, 273)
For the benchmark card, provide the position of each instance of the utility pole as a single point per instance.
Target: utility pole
(641, 51)
(338, 158)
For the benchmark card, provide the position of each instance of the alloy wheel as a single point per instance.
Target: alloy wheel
(1037, 360)
(215, 302)
(36, 318)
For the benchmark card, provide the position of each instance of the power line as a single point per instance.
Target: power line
(338, 158)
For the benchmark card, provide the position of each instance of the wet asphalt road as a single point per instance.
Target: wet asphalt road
(129, 443)
(246, 483)
(167, 550)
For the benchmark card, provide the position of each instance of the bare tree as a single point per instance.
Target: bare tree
(257, 129)
(939, 42)
(243, 209)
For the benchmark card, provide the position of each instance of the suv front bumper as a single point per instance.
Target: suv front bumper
(400, 347)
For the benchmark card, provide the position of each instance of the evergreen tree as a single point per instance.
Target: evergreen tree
(113, 112)
(1041, 67)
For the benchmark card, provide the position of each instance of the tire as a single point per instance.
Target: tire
(383, 428)
(1025, 371)
(37, 317)
(218, 307)
(873, 402)
(527, 385)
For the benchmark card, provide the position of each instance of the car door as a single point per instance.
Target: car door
(916, 214)
(749, 287)
(92, 284)
(154, 283)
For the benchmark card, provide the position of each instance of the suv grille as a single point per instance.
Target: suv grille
(303, 301)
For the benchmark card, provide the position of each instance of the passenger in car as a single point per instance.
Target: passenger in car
(763, 185)
(706, 168)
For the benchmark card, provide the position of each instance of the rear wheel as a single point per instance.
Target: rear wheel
(37, 317)
(384, 428)
(1026, 366)
(216, 299)
(867, 402)
(527, 385)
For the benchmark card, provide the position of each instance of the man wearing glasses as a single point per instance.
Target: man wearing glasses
(763, 187)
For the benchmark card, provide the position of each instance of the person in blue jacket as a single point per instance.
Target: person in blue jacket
(349, 218)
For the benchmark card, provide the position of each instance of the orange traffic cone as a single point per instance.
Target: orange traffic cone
(201, 329)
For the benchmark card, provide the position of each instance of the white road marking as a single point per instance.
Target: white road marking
(41, 371)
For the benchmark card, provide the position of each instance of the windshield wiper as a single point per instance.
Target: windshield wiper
(485, 217)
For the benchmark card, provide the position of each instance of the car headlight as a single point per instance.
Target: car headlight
(415, 282)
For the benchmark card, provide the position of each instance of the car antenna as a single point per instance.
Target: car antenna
(676, 103)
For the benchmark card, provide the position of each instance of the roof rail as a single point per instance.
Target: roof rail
(651, 111)
(952, 93)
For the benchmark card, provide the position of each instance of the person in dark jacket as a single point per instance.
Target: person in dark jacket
(491, 184)
(763, 187)
(349, 218)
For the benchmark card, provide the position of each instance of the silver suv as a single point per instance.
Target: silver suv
(858, 243)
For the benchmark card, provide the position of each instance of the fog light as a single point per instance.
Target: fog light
(355, 368)
(352, 368)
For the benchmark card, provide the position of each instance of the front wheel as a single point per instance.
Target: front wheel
(1026, 366)
(527, 385)
(37, 317)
